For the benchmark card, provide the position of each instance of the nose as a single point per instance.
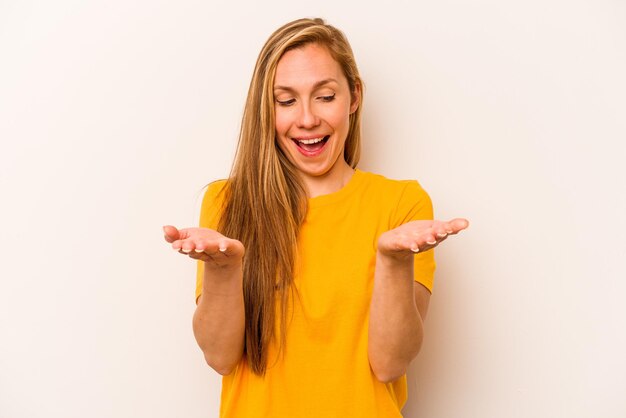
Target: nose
(307, 118)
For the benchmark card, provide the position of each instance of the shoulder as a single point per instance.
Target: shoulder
(212, 203)
(215, 191)
(215, 187)
(404, 199)
(377, 183)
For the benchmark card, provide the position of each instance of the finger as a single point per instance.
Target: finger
(199, 256)
(230, 247)
(178, 244)
(436, 231)
(422, 246)
(171, 233)
(421, 240)
(439, 238)
(187, 246)
(440, 230)
(184, 242)
(457, 225)
(209, 246)
(410, 243)
(430, 235)
(220, 247)
(201, 246)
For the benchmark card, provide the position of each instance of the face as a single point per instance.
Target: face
(313, 104)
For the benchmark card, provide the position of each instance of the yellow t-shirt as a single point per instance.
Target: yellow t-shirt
(324, 370)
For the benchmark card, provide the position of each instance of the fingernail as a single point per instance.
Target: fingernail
(442, 235)
(449, 231)
(415, 249)
(198, 250)
(185, 250)
(431, 242)
(223, 249)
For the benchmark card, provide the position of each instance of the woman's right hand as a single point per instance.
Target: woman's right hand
(207, 245)
(219, 319)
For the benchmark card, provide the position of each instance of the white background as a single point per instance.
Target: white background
(115, 114)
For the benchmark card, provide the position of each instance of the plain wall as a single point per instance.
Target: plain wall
(115, 114)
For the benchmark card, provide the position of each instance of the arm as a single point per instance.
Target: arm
(218, 322)
(399, 306)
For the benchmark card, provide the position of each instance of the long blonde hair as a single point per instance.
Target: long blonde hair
(265, 201)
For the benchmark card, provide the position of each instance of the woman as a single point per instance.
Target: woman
(323, 315)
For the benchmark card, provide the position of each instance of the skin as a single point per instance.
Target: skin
(399, 304)
(313, 100)
(218, 321)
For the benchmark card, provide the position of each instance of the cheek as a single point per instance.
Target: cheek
(281, 123)
(341, 113)
(339, 119)
(281, 127)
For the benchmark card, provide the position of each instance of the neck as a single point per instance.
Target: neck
(330, 182)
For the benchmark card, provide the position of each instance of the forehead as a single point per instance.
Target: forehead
(306, 66)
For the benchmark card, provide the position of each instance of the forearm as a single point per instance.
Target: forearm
(395, 327)
(218, 321)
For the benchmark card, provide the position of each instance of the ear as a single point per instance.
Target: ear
(356, 97)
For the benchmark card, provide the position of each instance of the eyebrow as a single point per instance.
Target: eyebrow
(315, 86)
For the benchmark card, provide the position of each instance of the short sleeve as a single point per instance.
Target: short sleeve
(415, 204)
(210, 213)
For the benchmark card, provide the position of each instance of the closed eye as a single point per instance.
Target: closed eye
(286, 102)
(328, 98)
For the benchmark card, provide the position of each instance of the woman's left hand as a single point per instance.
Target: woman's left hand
(417, 236)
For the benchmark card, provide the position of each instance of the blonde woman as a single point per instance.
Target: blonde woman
(314, 277)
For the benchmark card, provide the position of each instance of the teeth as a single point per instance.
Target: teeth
(310, 141)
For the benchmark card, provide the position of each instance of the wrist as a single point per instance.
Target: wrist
(393, 266)
(396, 259)
(222, 278)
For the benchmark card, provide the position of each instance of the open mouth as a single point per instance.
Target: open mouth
(311, 145)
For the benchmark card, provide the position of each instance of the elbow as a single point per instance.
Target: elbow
(223, 366)
(390, 373)
(388, 367)
(223, 370)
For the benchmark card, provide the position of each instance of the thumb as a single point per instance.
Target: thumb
(171, 233)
